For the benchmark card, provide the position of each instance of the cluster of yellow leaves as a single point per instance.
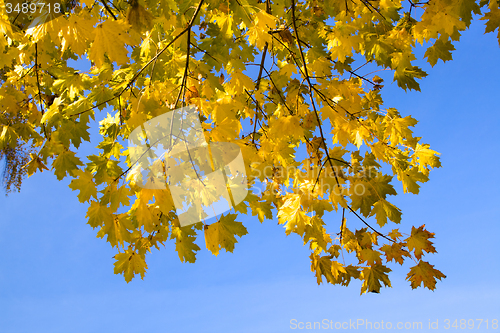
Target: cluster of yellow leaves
(277, 79)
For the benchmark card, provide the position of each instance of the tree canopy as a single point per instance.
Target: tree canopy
(282, 80)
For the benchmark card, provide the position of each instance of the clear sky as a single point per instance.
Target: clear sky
(56, 276)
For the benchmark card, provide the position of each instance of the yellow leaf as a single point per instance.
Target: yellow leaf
(419, 241)
(111, 38)
(395, 252)
(221, 234)
(240, 82)
(130, 263)
(289, 126)
(46, 24)
(291, 214)
(370, 256)
(99, 214)
(395, 234)
(77, 33)
(258, 34)
(372, 276)
(424, 272)
(139, 18)
(34, 165)
(322, 266)
(184, 242)
(85, 184)
(493, 17)
(116, 231)
(336, 268)
(142, 210)
(383, 210)
(65, 163)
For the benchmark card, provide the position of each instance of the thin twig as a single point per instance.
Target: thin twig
(108, 9)
(39, 90)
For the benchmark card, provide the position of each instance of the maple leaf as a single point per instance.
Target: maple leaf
(65, 163)
(110, 39)
(419, 241)
(262, 210)
(8, 137)
(426, 158)
(426, 273)
(440, 50)
(395, 252)
(337, 269)
(221, 234)
(138, 17)
(394, 234)
(184, 242)
(289, 125)
(117, 231)
(359, 198)
(77, 33)
(349, 240)
(85, 184)
(406, 77)
(322, 266)
(316, 234)
(258, 33)
(410, 178)
(35, 164)
(293, 216)
(370, 256)
(372, 276)
(99, 214)
(383, 209)
(381, 185)
(142, 210)
(493, 17)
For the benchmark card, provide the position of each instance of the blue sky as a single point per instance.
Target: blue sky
(56, 276)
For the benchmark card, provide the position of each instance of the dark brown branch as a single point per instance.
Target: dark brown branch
(188, 28)
(182, 91)
(369, 226)
(108, 9)
(39, 90)
(319, 120)
(205, 52)
(257, 86)
(259, 78)
(342, 225)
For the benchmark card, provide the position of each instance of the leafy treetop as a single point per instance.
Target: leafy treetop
(281, 79)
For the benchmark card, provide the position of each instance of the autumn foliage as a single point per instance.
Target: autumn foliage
(284, 80)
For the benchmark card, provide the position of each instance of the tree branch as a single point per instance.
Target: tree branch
(39, 90)
(134, 78)
(318, 119)
(108, 9)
